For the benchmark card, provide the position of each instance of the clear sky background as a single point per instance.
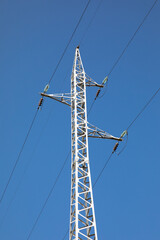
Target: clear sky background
(33, 36)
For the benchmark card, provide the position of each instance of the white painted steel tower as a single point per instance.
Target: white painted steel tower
(82, 214)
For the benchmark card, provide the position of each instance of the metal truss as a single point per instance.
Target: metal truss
(91, 83)
(95, 132)
(61, 97)
(82, 213)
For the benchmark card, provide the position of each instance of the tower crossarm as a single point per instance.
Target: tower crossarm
(91, 83)
(95, 132)
(60, 97)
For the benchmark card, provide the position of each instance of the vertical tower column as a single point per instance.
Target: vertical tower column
(82, 215)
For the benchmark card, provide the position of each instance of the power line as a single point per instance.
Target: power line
(142, 110)
(99, 175)
(101, 172)
(49, 83)
(131, 39)
(24, 171)
(89, 24)
(18, 158)
(106, 163)
(65, 235)
(108, 159)
(21, 180)
(50, 192)
(138, 115)
(73, 33)
(10, 177)
(129, 42)
(90, 109)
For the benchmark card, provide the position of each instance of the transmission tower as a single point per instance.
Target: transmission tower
(82, 214)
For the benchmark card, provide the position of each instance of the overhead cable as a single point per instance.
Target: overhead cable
(50, 192)
(89, 24)
(142, 110)
(102, 170)
(129, 42)
(70, 39)
(138, 115)
(24, 172)
(58, 176)
(125, 133)
(18, 158)
(41, 100)
(48, 196)
(26, 168)
(114, 150)
(131, 39)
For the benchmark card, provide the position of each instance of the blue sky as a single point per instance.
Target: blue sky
(33, 36)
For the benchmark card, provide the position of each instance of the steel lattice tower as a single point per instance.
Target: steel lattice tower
(82, 214)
